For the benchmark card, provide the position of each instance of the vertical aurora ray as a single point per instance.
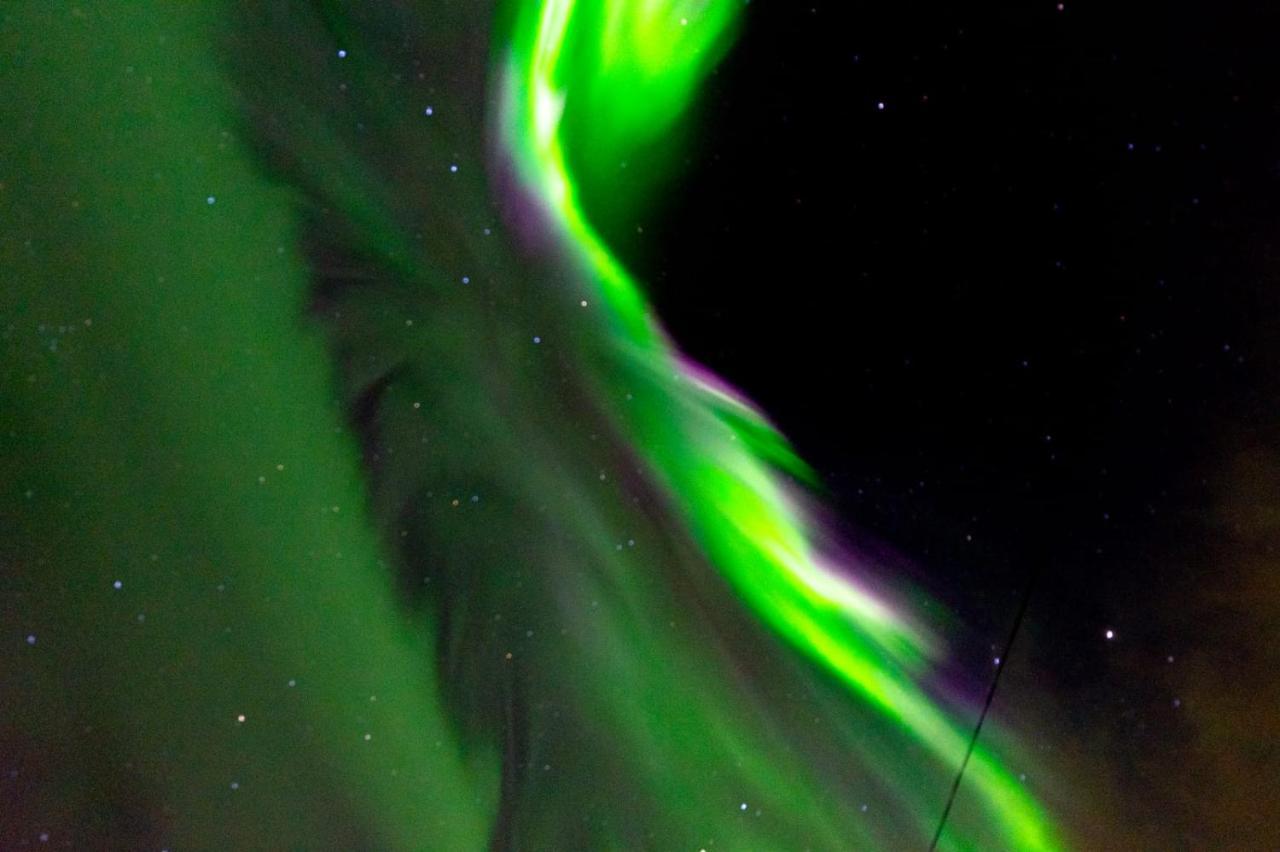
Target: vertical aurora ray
(634, 68)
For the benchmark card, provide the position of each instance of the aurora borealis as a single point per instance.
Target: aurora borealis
(354, 493)
(633, 67)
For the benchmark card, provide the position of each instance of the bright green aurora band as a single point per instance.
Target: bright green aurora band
(634, 67)
(353, 495)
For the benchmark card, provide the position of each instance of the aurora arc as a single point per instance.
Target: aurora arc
(634, 67)
(240, 374)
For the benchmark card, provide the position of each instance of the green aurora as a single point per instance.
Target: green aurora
(425, 535)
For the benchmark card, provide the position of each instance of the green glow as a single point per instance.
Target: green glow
(182, 375)
(634, 67)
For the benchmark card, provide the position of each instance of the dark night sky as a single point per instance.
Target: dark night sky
(1005, 273)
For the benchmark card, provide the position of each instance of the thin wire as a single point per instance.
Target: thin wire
(982, 717)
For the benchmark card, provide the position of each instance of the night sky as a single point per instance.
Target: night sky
(349, 499)
(1007, 274)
